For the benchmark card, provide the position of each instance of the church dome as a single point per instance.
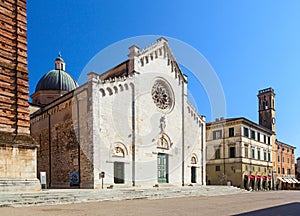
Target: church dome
(57, 79)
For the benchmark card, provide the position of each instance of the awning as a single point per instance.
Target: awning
(288, 180)
(258, 177)
(250, 176)
(281, 179)
(293, 180)
(263, 177)
(269, 177)
(296, 180)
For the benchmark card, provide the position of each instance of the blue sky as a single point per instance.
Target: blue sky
(250, 44)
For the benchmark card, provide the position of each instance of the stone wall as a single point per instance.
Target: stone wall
(17, 162)
(195, 144)
(62, 148)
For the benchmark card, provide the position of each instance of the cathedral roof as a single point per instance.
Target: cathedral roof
(118, 71)
(56, 80)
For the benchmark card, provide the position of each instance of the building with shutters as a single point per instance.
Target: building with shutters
(247, 154)
(239, 152)
(284, 166)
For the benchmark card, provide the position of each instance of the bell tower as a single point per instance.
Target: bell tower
(266, 108)
(17, 148)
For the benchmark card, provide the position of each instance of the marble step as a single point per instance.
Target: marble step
(55, 197)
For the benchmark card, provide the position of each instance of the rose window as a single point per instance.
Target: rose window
(161, 96)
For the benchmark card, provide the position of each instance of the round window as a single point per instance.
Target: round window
(161, 95)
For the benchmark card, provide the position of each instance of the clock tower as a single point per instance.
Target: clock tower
(266, 108)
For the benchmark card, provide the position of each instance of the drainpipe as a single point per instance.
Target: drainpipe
(224, 155)
(182, 123)
(49, 138)
(203, 152)
(133, 135)
(78, 137)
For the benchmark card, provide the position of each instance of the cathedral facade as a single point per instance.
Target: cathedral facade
(130, 126)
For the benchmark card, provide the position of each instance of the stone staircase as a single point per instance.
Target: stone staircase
(69, 196)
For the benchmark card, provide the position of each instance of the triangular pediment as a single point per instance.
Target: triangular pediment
(159, 51)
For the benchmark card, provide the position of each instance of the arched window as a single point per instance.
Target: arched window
(121, 87)
(126, 86)
(110, 92)
(194, 160)
(142, 62)
(102, 92)
(116, 89)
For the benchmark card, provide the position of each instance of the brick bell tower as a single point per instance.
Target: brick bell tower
(17, 149)
(266, 108)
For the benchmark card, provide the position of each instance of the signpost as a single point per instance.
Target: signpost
(102, 176)
(273, 181)
(43, 179)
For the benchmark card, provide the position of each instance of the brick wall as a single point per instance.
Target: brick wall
(17, 148)
(14, 112)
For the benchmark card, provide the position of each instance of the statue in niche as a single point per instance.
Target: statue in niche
(162, 124)
(164, 141)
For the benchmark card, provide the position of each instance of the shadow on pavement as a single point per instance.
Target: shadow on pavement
(290, 209)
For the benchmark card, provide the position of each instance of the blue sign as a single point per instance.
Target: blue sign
(74, 179)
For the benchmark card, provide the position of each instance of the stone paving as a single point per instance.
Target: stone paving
(69, 196)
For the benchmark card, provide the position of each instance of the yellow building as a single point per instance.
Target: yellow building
(248, 155)
(239, 152)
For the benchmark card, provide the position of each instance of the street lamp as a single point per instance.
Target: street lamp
(273, 182)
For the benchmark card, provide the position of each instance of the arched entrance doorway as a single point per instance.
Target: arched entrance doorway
(162, 168)
(193, 169)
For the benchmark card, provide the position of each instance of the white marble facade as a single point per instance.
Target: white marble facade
(144, 131)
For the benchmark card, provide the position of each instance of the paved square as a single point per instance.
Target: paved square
(255, 203)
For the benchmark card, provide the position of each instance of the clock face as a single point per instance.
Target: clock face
(162, 95)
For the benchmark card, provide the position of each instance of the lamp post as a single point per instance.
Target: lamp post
(273, 182)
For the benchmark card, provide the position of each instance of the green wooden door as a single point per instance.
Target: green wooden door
(118, 172)
(162, 168)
